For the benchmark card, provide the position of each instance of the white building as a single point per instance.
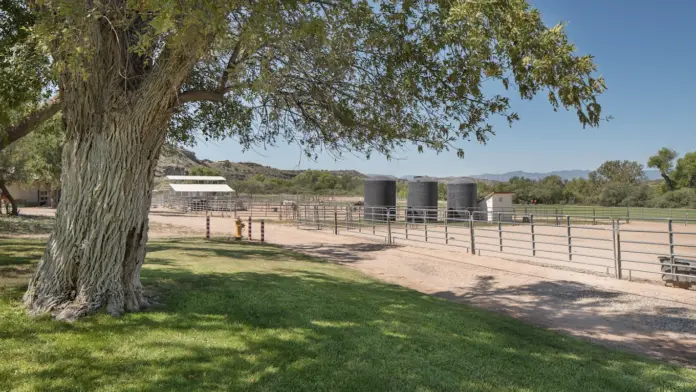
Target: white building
(495, 206)
(30, 195)
(195, 193)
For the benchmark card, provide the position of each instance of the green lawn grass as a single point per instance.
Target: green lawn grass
(242, 317)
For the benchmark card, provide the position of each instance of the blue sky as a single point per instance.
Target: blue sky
(644, 50)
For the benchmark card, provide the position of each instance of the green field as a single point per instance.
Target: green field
(257, 318)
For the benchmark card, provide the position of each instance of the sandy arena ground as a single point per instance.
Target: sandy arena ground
(642, 317)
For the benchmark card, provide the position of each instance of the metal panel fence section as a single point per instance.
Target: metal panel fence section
(677, 214)
(650, 249)
(277, 207)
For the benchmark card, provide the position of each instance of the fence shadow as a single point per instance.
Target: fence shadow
(342, 253)
(575, 307)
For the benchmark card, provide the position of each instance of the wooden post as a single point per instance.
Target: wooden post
(335, 221)
(263, 237)
(249, 228)
(207, 227)
(500, 233)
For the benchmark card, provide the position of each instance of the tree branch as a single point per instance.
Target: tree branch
(231, 63)
(202, 95)
(30, 122)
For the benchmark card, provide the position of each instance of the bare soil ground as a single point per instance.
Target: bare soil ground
(642, 317)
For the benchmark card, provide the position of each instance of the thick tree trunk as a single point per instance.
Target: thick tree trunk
(668, 181)
(10, 199)
(95, 253)
(116, 119)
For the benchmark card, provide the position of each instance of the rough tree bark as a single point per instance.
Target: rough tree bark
(116, 120)
(8, 198)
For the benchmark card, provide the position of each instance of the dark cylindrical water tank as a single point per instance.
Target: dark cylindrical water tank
(421, 204)
(462, 196)
(380, 198)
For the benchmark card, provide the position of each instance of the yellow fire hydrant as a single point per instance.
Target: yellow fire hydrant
(239, 228)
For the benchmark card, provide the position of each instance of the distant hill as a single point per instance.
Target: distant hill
(178, 161)
(564, 174)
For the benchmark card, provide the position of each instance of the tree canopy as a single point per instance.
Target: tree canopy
(664, 162)
(326, 75)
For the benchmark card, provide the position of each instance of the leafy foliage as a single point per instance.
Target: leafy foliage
(328, 75)
(24, 67)
(204, 171)
(307, 182)
(664, 162)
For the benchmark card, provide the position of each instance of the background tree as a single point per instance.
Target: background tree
(685, 172)
(204, 171)
(25, 79)
(623, 172)
(328, 76)
(44, 149)
(664, 162)
(13, 169)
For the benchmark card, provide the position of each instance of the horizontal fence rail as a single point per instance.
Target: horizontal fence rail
(651, 249)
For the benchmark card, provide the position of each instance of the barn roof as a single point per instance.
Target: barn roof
(201, 188)
(196, 178)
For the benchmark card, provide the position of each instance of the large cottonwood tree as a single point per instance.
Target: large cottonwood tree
(331, 75)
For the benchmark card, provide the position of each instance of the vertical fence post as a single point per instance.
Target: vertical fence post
(471, 234)
(360, 213)
(207, 227)
(249, 228)
(570, 243)
(671, 247)
(594, 215)
(556, 213)
(446, 235)
(617, 247)
(336, 220)
(531, 224)
(347, 227)
(389, 229)
(500, 233)
(406, 228)
(425, 224)
(628, 215)
(263, 234)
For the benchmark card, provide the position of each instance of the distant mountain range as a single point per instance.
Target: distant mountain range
(564, 174)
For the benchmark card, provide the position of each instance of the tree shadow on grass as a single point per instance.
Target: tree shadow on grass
(238, 250)
(311, 326)
(26, 224)
(309, 329)
(342, 253)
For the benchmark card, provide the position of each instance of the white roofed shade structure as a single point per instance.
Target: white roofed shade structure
(201, 188)
(197, 178)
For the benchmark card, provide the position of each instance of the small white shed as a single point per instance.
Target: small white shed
(494, 206)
